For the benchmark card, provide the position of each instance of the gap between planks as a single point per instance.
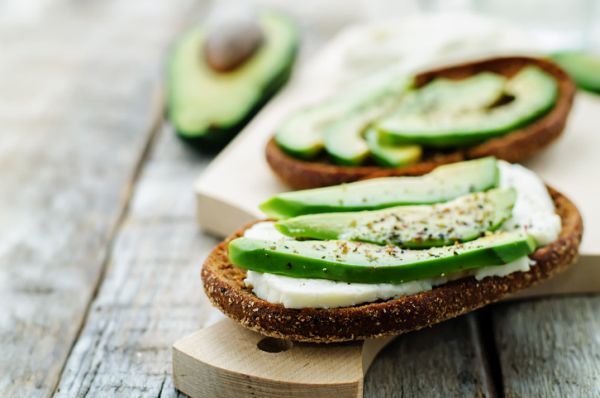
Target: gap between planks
(154, 128)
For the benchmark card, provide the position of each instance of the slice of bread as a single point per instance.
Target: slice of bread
(224, 285)
(513, 147)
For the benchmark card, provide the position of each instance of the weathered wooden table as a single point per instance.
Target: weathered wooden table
(99, 248)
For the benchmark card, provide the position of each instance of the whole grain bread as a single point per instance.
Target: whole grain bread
(224, 285)
(513, 147)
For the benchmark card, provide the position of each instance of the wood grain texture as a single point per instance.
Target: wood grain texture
(549, 347)
(151, 295)
(77, 83)
(447, 360)
(228, 361)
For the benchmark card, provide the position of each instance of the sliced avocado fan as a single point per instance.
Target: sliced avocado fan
(358, 262)
(463, 219)
(303, 134)
(208, 107)
(442, 184)
(430, 117)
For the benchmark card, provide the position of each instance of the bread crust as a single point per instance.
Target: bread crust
(224, 286)
(513, 147)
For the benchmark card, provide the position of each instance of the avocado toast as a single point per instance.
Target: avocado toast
(345, 287)
(512, 120)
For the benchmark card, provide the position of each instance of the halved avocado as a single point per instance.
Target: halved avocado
(423, 226)
(358, 262)
(530, 94)
(207, 108)
(583, 67)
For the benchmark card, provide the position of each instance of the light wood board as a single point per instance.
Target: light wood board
(226, 360)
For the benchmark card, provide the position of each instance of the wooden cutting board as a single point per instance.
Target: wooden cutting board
(226, 360)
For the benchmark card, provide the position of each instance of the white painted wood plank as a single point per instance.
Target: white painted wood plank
(77, 83)
(152, 294)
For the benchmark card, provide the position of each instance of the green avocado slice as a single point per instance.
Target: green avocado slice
(207, 108)
(529, 94)
(460, 220)
(303, 133)
(456, 96)
(389, 155)
(344, 139)
(442, 184)
(583, 67)
(369, 263)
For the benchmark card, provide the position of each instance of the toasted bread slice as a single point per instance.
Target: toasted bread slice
(224, 285)
(513, 147)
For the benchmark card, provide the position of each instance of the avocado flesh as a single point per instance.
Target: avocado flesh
(533, 93)
(455, 96)
(442, 184)
(583, 67)
(303, 134)
(389, 155)
(463, 219)
(208, 107)
(344, 139)
(357, 262)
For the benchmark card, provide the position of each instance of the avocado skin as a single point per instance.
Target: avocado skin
(264, 256)
(216, 137)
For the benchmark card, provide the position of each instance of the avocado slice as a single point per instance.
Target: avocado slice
(463, 219)
(207, 108)
(389, 155)
(343, 138)
(369, 263)
(442, 184)
(302, 134)
(425, 120)
(583, 67)
(455, 96)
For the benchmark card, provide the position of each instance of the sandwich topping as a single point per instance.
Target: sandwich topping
(343, 258)
(388, 120)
